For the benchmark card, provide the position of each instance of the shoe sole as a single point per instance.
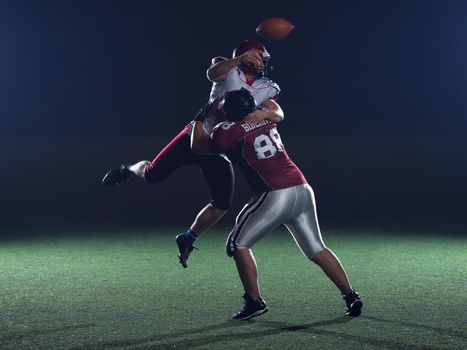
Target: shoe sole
(257, 313)
(112, 178)
(355, 309)
(182, 261)
(108, 181)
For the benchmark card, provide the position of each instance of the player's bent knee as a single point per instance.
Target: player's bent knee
(315, 251)
(236, 252)
(222, 205)
(229, 249)
(241, 251)
(233, 247)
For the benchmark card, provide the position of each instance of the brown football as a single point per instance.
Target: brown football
(274, 28)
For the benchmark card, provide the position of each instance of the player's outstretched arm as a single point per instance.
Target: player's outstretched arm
(271, 111)
(200, 142)
(218, 71)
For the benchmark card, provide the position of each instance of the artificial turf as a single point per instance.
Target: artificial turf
(124, 289)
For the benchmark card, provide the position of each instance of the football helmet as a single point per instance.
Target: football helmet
(237, 104)
(249, 68)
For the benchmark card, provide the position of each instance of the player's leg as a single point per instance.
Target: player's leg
(219, 176)
(259, 217)
(306, 232)
(305, 229)
(174, 155)
(218, 173)
(248, 272)
(206, 218)
(332, 267)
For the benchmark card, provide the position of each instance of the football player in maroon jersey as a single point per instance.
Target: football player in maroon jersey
(283, 196)
(246, 69)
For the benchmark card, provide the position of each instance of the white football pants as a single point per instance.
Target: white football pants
(293, 207)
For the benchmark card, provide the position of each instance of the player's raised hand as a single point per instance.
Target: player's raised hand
(253, 57)
(257, 116)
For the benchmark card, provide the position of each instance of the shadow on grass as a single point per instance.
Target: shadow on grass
(158, 338)
(35, 332)
(198, 337)
(168, 341)
(453, 332)
(276, 327)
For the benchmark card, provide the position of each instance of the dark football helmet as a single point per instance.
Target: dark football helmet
(237, 104)
(249, 68)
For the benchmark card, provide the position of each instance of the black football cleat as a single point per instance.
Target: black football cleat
(116, 176)
(354, 304)
(252, 308)
(185, 247)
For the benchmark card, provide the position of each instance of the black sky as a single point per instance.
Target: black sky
(113, 67)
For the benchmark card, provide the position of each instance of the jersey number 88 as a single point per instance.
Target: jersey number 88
(266, 146)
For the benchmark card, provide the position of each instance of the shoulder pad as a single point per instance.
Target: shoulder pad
(271, 83)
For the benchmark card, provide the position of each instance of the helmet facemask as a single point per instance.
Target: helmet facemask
(260, 72)
(251, 69)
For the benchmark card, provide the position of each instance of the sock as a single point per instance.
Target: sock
(191, 236)
(139, 168)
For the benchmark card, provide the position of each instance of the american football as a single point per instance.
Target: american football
(274, 28)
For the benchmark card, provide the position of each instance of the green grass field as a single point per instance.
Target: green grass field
(125, 290)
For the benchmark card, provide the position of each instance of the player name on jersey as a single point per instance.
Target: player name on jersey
(252, 126)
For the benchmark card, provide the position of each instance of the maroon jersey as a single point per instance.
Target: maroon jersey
(258, 151)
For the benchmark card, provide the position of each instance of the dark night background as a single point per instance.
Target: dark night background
(374, 94)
